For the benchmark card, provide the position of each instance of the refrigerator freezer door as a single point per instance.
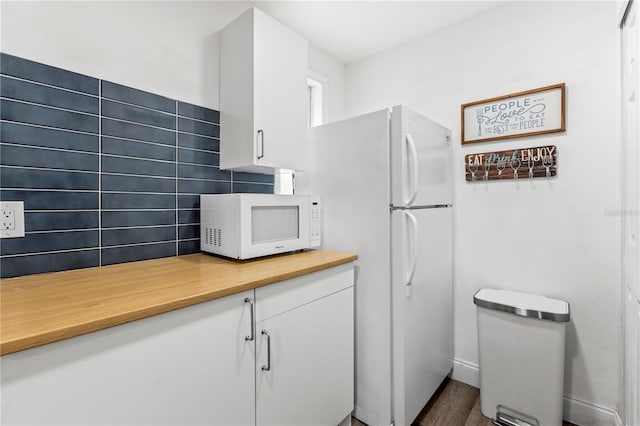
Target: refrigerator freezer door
(420, 160)
(422, 305)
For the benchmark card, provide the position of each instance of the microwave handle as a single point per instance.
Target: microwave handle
(260, 142)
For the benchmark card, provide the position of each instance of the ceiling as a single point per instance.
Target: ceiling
(353, 30)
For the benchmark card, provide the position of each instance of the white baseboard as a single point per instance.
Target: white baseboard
(466, 372)
(581, 413)
(585, 413)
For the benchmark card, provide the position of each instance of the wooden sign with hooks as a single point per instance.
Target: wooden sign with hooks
(515, 164)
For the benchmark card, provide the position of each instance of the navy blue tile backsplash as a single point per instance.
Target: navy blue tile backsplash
(108, 173)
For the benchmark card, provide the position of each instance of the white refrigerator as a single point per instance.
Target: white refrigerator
(385, 180)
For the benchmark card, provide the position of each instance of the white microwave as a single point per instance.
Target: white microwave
(244, 226)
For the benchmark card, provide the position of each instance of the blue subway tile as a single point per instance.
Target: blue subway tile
(186, 186)
(138, 149)
(16, 177)
(140, 167)
(198, 112)
(138, 115)
(198, 157)
(202, 172)
(114, 255)
(39, 94)
(252, 178)
(120, 129)
(52, 221)
(45, 116)
(50, 241)
(137, 166)
(198, 127)
(257, 188)
(122, 201)
(53, 200)
(11, 155)
(29, 70)
(190, 201)
(137, 184)
(186, 232)
(49, 262)
(188, 247)
(25, 134)
(116, 237)
(137, 97)
(186, 140)
(189, 216)
(115, 219)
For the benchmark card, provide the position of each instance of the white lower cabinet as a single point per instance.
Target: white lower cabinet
(189, 366)
(198, 365)
(304, 371)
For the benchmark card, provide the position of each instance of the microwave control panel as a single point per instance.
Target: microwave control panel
(315, 223)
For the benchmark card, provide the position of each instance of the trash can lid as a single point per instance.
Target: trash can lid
(523, 304)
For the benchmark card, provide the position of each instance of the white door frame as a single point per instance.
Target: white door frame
(630, 160)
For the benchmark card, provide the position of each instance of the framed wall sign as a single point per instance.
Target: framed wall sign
(532, 112)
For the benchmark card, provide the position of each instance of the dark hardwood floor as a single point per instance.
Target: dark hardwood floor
(453, 404)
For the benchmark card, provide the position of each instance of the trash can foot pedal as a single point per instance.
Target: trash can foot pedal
(506, 420)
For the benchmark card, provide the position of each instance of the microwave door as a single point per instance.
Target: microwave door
(274, 223)
(275, 227)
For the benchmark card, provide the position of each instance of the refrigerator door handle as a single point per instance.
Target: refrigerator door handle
(413, 235)
(413, 163)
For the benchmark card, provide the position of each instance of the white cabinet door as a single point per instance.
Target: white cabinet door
(304, 370)
(263, 95)
(280, 85)
(189, 366)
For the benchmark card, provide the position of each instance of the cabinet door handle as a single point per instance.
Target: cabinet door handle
(268, 366)
(253, 325)
(260, 137)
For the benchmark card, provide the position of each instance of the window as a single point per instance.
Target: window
(317, 107)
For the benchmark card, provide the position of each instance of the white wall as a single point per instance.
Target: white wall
(165, 47)
(169, 48)
(559, 238)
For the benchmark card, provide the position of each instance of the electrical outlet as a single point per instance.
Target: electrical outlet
(11, 219)
(8, 219)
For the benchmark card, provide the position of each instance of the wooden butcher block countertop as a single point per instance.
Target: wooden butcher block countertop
(40, 309)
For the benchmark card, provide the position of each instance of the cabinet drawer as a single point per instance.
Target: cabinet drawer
(281, 297)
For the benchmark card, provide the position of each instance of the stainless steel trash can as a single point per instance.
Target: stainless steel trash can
(521, 341)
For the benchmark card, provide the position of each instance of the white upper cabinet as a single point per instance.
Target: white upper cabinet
(263, 95)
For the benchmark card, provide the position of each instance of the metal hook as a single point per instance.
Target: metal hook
(515, 167)
(547, 162)
(500, 167)
(473, 172)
